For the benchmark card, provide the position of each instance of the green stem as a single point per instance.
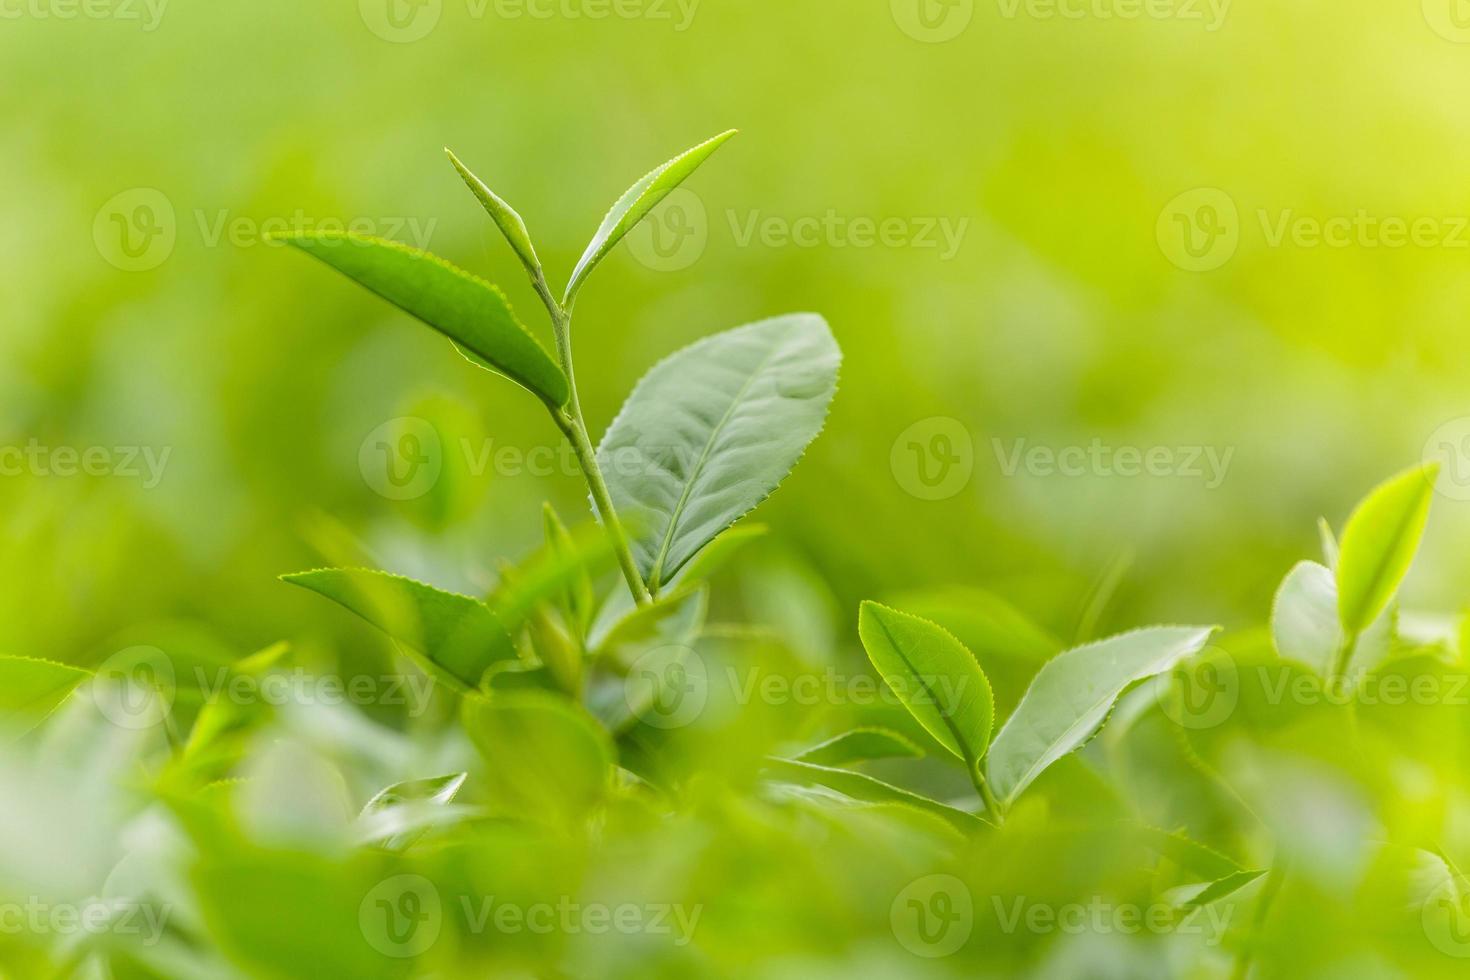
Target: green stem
(1344, 657)
(569, 419)
(987, 796)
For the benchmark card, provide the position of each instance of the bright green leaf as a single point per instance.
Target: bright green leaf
(1378, 545)
(935, 677)
(577, 599)
(711, 431)
(504, 216)
(1071, 696)
(861, 745)
(464, 308)
(31, 689)
(634, 206)
(456, 634)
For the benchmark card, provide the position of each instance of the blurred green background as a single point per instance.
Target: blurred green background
(146, 149)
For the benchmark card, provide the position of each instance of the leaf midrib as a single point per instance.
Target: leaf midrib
(954, 731)
(656, 571)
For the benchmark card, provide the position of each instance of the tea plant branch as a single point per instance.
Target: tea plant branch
(987, 796)
(572, 424)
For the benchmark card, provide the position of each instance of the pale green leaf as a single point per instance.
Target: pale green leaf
(711, 431)
(1198, 896)
(1306, 629)
(463, 307)
(456, 634)
(1071, 696)
(935, 677)
(861, 745)
(398, 815)
(1378, 545)
(1329, 542)
(635, 205)
(504, 216)
(576, 598)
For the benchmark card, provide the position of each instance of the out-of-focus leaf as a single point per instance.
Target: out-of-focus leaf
(1378, 545)
(1071, 696)
(1194, 857)
(869, 790)
(31, 689)
(544, 756)
(634, 206)
(934, 676)
(1306, 629)
(273, 911)
(1190, 897)
(860, 745)
(504, 216)
(457, 635)
(397, 815)
(1329, 543)
(464, 308)
(577, 599)
(712, 430)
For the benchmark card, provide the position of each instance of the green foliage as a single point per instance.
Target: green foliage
(711, 431)
(934, 676)
(634, 206)
(1378, 544)
(467, 310)
(30, 690)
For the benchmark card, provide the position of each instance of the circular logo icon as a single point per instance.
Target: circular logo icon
(1199, 230)
(1449, 446)
(674, 234)
(934, 458)
(402, 458)
(932, 21)
(1446, 917)
(667, 687)
(134, 688)
(402, 916)
(933, 916)
(1203, 691)
(136, 230)
(401, 21)
(1450, 19)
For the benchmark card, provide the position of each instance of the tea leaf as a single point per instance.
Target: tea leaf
(504, 216)
(399, 814)
(634, 206)
(869, 790)
(935, 677)
(861, 745)
(31, 689)
(1378, 545)
(457, 635)
(545, 755)
(1305, 626)
(1071, 696)
(464, 308)
(1329, 542)
(711, 431)
(1198, 896)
